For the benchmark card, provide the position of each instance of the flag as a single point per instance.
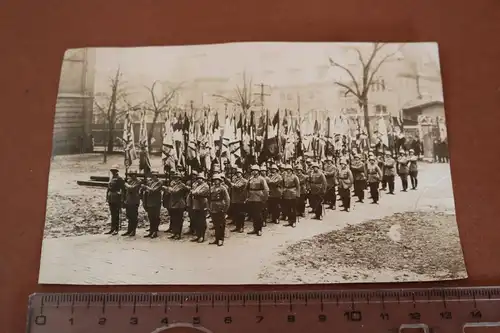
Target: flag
(128, 141)
(270, 146)
(144, 161)
(382, 130)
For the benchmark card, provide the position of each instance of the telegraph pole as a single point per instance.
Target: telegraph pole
(262, 94)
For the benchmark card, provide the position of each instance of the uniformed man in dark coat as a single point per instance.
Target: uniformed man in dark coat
(275, 183)
(345, 184)
(403, 170)
(358, 169)
(330, 172)
(238, 197)
(413, 158)
(114, 198)
(389, 171)
(258, 192)
(304, 182)
(374, 175)
(199, 205)
(153, 203)
(177, 192)
(317, 184)
(291, 191)
(190, 181)
(265, 211)
(132, 201)
(219, 204)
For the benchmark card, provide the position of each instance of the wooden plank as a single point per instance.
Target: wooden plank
(91, 183)
(100, 178)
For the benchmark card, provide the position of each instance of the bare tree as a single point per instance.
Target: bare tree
(243, 97)
(158, 106)
(360, 86)
(112, 107)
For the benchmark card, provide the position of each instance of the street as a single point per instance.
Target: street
(103, 259)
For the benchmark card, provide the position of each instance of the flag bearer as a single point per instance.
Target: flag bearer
(291, 192)
(258, 192)
(238, 196)
(219, 204)
(345, 185)
(153, 203)
(358, 169)
(301, 200)
(275, 183)
(330, 172)
(374, 175)
(132, 201)
(190, 182)
(318, 185)
(199, 195)
(177, 192)
(389, 171)
(114, 197)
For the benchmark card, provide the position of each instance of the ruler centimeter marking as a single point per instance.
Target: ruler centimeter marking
(430, 310)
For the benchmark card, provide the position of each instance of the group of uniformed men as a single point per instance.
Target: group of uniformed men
(267, 194)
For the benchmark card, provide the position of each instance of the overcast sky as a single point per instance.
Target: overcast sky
(184, 63)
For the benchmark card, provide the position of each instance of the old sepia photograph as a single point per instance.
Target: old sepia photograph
(251, 163)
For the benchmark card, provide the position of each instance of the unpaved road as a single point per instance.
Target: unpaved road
(101, 259)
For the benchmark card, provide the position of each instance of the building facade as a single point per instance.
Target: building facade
(73, 115)
(407, 78)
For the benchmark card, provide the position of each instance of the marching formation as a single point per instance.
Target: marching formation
(264, 194)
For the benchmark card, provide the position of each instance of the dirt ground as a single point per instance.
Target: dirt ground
(412, 242)
(410, 236)
(74, 210)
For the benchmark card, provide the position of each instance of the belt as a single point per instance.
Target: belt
(290, 187)
(256, 189)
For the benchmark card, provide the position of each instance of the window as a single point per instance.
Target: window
(380, 109)
(382, 85)
(289, 97)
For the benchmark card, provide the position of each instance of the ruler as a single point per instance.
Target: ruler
(391, 311)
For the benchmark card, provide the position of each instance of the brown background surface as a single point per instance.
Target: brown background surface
(36, 33)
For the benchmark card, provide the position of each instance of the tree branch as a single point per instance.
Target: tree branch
(227, 99)
(384, 59)
(335, 64)
(360, 57)
(349, 89)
